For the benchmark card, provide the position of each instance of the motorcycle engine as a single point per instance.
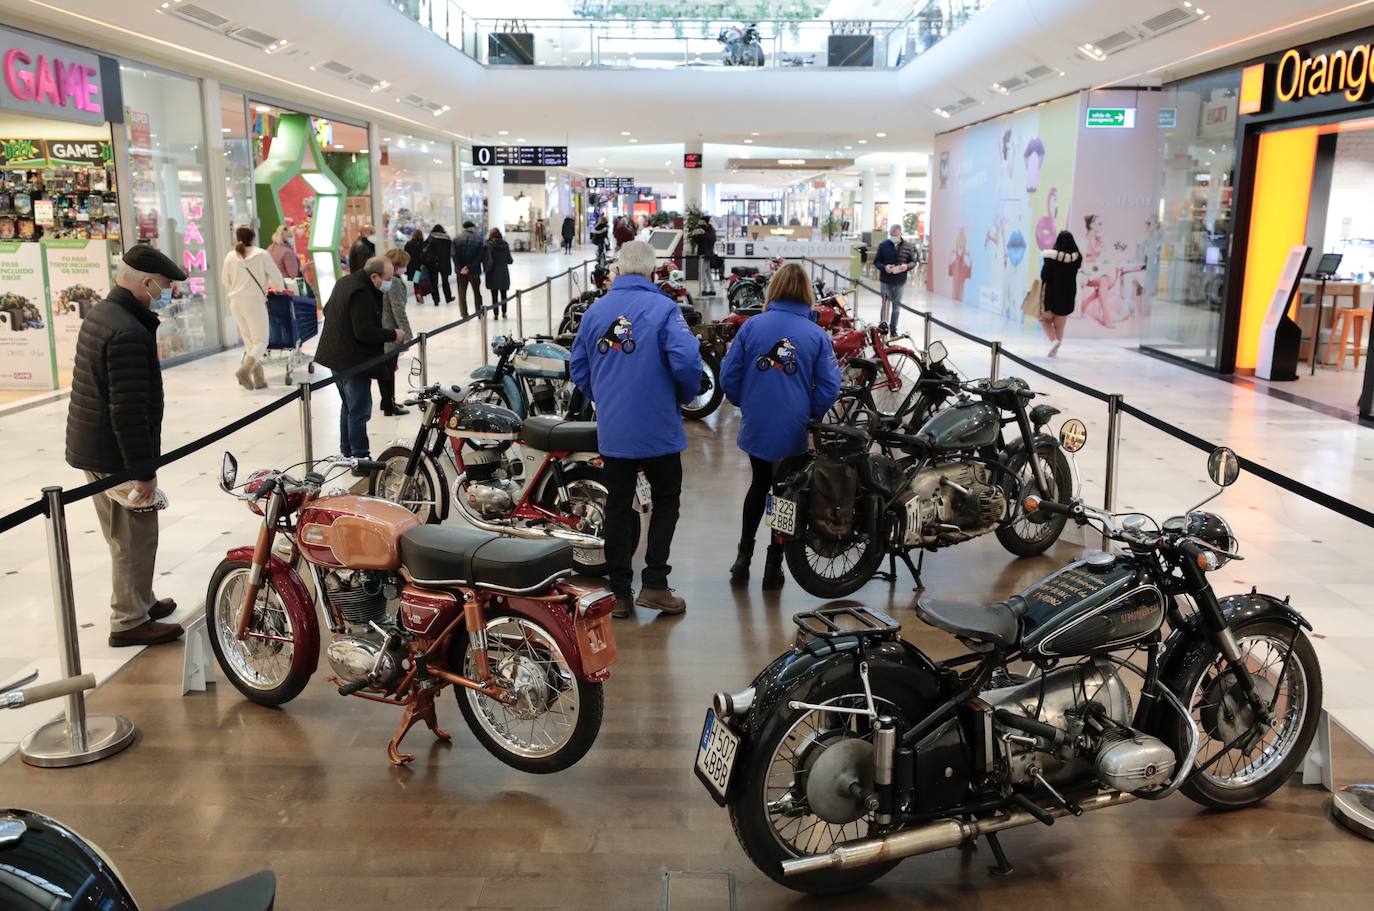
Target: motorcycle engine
(492, 499)
(487, 463)
(1091, 702)
(361, 652)
(952, 502)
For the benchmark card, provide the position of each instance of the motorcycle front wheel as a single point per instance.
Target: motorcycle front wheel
(707, 402)
(417, 494)
(745, 295)
(828, 568)
(260, 666)
(555, 717)
(1022, 535)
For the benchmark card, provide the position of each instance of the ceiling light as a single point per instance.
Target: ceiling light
(602, 161)
(165, 5)
(1200, 11)
(262, 109)
(386, 139)
(998, 87)
(753, 134)
(1093, 52)
(224, 129)
(863, 142)
(881, 135)
(634, 140)
(748, 142)
(624, 132)
(503, 132)
(520, 139)
(849, 147)
(942, 112)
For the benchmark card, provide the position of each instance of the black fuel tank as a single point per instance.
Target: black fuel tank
(1086, 608)
(968, 426)
(481, 421)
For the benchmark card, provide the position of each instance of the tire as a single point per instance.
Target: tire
(603, 346)
(753, 827)
(1201, 663)
(762, 363)
(907, 370)
(745, 295)
(628, 346)
(706, 404)
(483, 714)
(419, 495)
(846, 582)
(1019, 535)
(585, 476)
(235, 658)
(790, 368)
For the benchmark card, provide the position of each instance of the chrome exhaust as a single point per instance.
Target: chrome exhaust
(539, 533)
(948, 833)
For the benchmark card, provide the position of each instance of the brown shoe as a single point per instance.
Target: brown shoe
(150, 632)
(162, 607)
(624, 607)
(662, 600)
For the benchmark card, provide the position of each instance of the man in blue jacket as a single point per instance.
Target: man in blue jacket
(635, 357)
(895, 260)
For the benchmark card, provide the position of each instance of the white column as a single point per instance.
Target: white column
(457, 190)
(374, 165)
(496, 194)
(691, 179)
(868, 199)
(896, 195)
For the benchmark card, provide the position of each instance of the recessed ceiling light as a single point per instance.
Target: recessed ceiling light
(224, 129)
(849, 147)
(863, 142)
(753, 134)
(634, 140)
(624, 132)
(602, 161)
(1200, 11)
(520, 139)
(942, 112)
(748, 142)
(262, 109)
(1093, 52)
(881, 135)
(503, 132)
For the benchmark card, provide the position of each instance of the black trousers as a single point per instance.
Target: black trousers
(755, 500)
(474, 281)
(386, 383)
(441, 278)
(664, 474)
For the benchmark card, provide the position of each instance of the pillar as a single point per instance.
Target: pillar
(896, 195)
(496, 194)
(691, 179)
(868, 200)
(374, 181)
(458, 149)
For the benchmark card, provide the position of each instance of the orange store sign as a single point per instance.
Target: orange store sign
(1297, 76)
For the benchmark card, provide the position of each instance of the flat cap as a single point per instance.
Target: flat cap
(146, 258)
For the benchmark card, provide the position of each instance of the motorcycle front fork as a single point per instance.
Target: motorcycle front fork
(262, 555)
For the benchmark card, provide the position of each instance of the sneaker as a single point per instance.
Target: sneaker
(1054, 350)
(624, 607)
(150, 632)
(662, 600)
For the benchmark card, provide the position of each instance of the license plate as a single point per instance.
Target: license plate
(644, 494)
(782, 515)
(716, 756)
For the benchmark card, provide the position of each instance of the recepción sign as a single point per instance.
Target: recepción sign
(48, 79)
(1110, 118)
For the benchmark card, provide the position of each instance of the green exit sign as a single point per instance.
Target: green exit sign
(1110, 118)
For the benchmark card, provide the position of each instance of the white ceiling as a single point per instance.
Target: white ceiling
(799, 113)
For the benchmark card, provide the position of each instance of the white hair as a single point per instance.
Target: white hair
(895, 229)
(635, 258)
(126, 276)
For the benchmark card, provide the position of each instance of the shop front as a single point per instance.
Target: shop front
(417, 186)
(1261, 162)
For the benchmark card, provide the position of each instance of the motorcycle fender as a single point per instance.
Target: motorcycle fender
(561, 625)
(487, 373)
(300, 608)
(1042, 440)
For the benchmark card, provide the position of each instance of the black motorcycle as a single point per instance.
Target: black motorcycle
(854, 749)
(842, 507)
(742, 46)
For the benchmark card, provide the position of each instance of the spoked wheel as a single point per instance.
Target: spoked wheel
(1241, 759)
(830, 568)
(889, 394)
(711, 396)
(420, 494)
(260, 665)
(1024, 535)
(553, 719)
(748, 295)
(586, 505)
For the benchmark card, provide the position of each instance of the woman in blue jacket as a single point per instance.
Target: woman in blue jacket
(781, 373)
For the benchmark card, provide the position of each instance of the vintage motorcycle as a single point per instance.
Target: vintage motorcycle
(746, 286)
(530, 377)
(525, 646)
(841, 507)
(742, 46)
(550, 487)
(854, 749)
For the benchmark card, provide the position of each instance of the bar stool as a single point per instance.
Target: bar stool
(1345, 321)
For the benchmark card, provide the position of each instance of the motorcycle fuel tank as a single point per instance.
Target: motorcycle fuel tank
(1091, 605)
(543, 359)
(480, 421)
(961, 427)
(357, 532)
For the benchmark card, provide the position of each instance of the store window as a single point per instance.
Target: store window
(238, 161)
(165, 125)
(417, 186)
(1188, 251)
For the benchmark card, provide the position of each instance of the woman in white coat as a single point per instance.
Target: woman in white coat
(248, 274)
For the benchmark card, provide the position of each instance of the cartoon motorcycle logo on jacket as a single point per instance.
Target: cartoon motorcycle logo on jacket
(619, 336)
(783, 357)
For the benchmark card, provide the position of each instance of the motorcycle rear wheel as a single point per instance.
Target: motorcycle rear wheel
(1019, 534)
(587, 493)
(810, 561)
(706, 404)
(745, 295)
(260, 669)
(416, 494)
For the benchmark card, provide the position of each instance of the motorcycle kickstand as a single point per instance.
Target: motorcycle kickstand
(1004, 866)
(419, 708)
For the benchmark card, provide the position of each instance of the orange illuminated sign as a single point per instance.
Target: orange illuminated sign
(1252, 89)
(1297, 76)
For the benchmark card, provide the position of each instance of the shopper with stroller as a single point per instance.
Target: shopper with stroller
(248, 274)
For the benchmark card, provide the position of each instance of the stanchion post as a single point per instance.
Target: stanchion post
(307, 430)
(927, 330)
(996, 361)
(424, 359)
(548, 302)
(519, 313)
(482, 318)
(570, 284)
(1113, 455)
(76, 738)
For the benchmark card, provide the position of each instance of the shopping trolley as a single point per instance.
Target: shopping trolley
(291, 322)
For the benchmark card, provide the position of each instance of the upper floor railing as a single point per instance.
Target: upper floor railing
(692, 43)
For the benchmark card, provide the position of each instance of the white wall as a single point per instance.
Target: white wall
(1349, 216)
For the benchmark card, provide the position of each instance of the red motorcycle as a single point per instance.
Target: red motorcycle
(525, 646)
(897, 365)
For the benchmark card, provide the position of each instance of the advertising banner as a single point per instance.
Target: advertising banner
(25, 346)
(78, 276)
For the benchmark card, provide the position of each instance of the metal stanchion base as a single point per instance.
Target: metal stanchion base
(49, 747)
(1353, 807)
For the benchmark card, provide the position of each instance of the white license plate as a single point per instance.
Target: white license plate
(644, 494)
(781, 514)
(716, 756)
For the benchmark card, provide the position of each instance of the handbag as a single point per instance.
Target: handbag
(1034, 304)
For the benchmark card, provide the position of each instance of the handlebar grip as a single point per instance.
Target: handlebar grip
(1053, 508)
(58, 688)
(368, 465)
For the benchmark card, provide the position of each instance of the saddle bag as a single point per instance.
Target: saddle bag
(834, 496)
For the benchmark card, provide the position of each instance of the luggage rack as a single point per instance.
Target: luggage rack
(845, 621)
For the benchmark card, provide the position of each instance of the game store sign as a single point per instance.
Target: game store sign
(45, 78)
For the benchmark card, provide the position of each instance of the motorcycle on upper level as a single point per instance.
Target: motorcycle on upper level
(854, 749)
(742, 46)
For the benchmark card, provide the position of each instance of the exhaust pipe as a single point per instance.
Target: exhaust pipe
(948, 833)
(549, 530)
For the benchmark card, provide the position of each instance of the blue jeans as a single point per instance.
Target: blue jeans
(893, 294)
(355, 407)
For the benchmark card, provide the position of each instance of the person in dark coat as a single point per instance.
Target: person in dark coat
(468, 252)
(352, 336)
(498, 262)
(362, 250)
(437, 258)
(894, 261)
(569, 232)
(624, 232)
(599, 238)
(704, 236)
(1059, 276)
(413, 248)
(114, 427)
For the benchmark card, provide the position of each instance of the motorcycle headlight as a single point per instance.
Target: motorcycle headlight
(1215, 531)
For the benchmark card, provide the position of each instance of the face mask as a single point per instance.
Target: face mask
(386, 285)
(162, 295)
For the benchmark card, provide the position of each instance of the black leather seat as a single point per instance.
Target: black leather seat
(553, 434)
(744, 270)
(467, 556)
(995, 624)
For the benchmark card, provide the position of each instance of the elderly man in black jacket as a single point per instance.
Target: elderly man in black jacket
(468, 251)
(353, 335)
(114, 427)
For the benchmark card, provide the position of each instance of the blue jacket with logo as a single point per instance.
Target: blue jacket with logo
(636, 358)
(781, 372)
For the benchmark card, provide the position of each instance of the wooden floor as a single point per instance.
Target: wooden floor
(217, 787)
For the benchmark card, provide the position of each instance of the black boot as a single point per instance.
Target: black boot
(739, 571)
(773, 577)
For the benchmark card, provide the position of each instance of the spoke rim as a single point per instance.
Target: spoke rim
(524, 655)
(258, 663)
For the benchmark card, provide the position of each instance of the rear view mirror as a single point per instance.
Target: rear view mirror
(936, 352)
(228, 471)
(1073, 436)
(1223, 466)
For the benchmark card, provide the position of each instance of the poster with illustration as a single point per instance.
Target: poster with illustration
(25, 347)
(78, 277)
